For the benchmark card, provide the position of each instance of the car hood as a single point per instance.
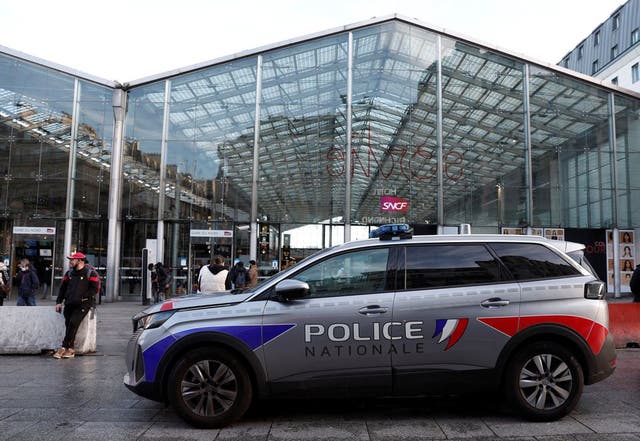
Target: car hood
(196, 301)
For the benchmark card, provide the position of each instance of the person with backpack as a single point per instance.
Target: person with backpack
(78, 291)
(238, 275)
(27, 282)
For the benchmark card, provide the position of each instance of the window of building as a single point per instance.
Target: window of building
(614, 52)
(594, 67)
(614, 80)
(596, 38)
(532, 261)
(436, 266)
(635, 74)
(615, 23)
(566, 62)
(635, 36)
(580, 52)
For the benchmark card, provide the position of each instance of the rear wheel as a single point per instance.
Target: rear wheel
(210, 388)
(544, 382)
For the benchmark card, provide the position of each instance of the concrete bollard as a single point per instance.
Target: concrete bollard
(33, 329)
(624, 324)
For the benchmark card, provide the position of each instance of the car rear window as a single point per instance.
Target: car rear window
(530, 261)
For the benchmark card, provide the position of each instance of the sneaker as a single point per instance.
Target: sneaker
(59, 353)
(69, 353)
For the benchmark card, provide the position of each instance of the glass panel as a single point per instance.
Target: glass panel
(571, 152)
(394, 126)
(210, 143)
(141, 155)
(93, 152)
(302, 132)
(627, 114)
(483, 139)
(35, 129)
(434, 266)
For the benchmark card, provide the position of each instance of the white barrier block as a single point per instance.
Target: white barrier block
(33, 329)
(29, 329)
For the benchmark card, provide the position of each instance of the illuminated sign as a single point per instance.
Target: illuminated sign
(393, 204)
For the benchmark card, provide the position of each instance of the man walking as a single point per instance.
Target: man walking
(78, 292)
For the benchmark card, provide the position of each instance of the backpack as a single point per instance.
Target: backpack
(241, 277)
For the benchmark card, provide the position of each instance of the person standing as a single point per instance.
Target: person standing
(78, 292)
(154, 282)
(5, 283)
(163, 281)
(45, 280)
(27, 282)
(253, 273)
(238, 275)
(213, 278)
(634, 284)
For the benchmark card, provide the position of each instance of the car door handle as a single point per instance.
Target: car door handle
(372, 310)
(494, 302)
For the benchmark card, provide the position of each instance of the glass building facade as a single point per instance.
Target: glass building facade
(285, 150)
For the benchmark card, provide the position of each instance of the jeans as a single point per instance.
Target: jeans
(26, 300)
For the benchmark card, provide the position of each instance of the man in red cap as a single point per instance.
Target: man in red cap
(78, 292)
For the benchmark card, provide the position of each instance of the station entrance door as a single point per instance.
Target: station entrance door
(38, 245)
(204, 245)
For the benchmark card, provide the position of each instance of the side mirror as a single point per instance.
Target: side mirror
(594, 290)
(292, 289)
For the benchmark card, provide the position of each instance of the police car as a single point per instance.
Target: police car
(390, 316)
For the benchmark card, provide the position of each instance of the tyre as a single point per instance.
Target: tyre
(210, 388)
(544, 381)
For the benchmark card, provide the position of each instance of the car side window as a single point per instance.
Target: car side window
(530, 261)
(434, 266)
(351, 273)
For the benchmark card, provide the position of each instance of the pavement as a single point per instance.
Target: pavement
(84, 399)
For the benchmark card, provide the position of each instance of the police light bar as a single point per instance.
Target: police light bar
(392, 232)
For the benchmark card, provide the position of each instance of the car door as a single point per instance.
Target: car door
(448, 290)
(335, 338)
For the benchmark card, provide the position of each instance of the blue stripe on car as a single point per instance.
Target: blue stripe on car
(253, 336)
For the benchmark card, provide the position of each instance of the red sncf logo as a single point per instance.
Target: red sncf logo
(389, 203)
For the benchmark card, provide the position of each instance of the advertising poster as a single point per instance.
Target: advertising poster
(627, 259)
(554, 233)
(508, 230)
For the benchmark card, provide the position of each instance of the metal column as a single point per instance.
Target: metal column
(439, 141)
(71, 175)
(163, 172)
(347, 156)
(119, 103)
(253, 232)
(528, 148)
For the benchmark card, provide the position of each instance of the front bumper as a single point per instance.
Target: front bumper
(134, 379)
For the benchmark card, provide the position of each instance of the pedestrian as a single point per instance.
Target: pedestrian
(154, 282)
(634, 284)
(5, 283)
(163, 281)
(27, 282)
(213, 277)
(253, 273)
(78, 291)
(238, 275)
(45, 280)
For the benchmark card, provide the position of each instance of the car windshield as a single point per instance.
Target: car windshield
(581, 259)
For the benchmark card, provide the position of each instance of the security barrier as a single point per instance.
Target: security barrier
(33, 329)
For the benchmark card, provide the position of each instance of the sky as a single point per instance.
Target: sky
(126, 40)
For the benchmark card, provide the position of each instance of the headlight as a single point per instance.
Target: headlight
(153, 320)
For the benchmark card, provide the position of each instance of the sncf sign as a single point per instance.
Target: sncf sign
(390, 203)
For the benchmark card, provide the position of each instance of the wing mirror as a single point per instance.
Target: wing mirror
(292, 289)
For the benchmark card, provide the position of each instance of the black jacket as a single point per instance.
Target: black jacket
(634, 284)
(79, 287)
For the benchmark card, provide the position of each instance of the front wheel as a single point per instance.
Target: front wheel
(210, 388)
(544, 381)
